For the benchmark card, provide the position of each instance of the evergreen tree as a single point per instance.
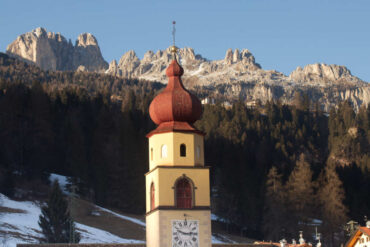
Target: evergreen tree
(274, 206)
(55, 221)
(333, 211)
(300, 196)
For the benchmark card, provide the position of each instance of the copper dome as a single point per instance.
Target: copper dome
(175, 103)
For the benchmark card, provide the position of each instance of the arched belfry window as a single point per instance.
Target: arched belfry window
(183, 150)
(164, 151)
(152, 197)
(184, 193)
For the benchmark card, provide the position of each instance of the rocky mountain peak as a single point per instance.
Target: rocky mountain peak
(56, 36)
(148, 56)
(187, 53)
(244, 57)
(320, 72)
(236, 56)
(126, 66)
(113, 68)
(229, 56)
(128, 58)
(237, 76)
(113, 63)
(247, 58)
(86, 39)
(51, 51)
(39, 31)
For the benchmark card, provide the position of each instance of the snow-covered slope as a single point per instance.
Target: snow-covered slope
(19, 224)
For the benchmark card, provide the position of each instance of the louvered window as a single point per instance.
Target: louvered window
(183, 150)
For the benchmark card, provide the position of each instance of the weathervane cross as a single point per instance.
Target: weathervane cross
(173, 32)
(174, 48)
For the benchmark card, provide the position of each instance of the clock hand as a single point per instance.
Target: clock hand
(186, 233)
(182, 232)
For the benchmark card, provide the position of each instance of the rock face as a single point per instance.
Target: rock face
(51, 51)
(197, 69)
(322, 73)
(238, 76)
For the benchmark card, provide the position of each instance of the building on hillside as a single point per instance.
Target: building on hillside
(284, 243)
(227, 105)
(281, 244)
(177, 185)
(251, 103)
(361, 237)
(208, 101)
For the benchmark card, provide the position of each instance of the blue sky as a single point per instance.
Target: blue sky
(282, 34)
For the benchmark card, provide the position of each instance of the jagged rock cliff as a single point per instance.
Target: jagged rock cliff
(237, 76)
(236, 66)
(323, 73)
(51, 51)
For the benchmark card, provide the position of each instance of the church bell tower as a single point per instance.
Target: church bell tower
(177, 184)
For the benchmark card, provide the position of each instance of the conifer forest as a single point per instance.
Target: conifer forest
(274, 168)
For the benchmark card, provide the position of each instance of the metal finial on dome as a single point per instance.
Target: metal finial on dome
(174, 49)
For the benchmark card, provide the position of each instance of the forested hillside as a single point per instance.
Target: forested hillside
(281, 168)
(275, 169)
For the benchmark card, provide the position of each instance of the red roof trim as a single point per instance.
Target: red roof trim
(175, 126)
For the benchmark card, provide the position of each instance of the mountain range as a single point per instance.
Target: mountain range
(236, 77)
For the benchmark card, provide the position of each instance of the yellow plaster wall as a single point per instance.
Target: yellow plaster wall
(153, 231)
(173, 140)
(164, 180)
(149, 179)
(159, 222)
(163, 219)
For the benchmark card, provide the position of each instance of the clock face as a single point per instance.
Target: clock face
(185, 233)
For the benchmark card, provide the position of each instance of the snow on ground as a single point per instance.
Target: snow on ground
(94, 235)
(22, 226)
(221, 239)
(136, 221)
(215, 240)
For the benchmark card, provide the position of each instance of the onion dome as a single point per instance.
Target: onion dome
(175, 108)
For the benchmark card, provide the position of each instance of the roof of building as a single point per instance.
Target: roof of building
(174, 127)
(286, 245)
(361, 230)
